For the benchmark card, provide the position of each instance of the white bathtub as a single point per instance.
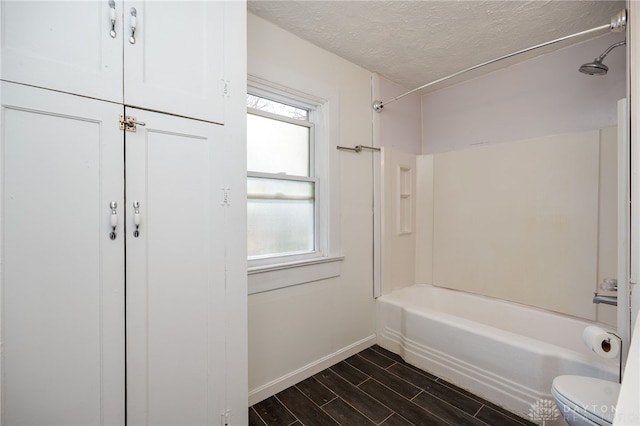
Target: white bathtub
(504, 352)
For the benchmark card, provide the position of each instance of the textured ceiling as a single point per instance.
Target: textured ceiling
(416, 42)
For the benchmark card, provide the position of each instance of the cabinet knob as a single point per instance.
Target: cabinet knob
(113, 220)
(112, 18)
(134, 24)
(136, 218)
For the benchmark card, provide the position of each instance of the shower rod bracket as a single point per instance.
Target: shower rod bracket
(377, 106)
(619, 22)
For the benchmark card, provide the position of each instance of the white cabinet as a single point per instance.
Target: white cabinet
(63, 45)
(77, 345)
(175, 272)
(63, 277)
(176, 63)
(162, 55)
(62, 281)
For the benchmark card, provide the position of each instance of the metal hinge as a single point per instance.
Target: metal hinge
(225, 197)
(129, 123)
(225, 88)
(224, 418)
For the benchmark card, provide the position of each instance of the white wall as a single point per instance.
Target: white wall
(424, 220)
(399, 176)
(627, 407)
(607, 220)
(540, 97)
(544, 97)
(296, 331)
(634, 70)
(521, 221)
(397, 129)
(399, 125)
(475, 217)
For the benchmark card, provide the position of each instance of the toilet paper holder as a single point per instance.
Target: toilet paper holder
(619, 355)
(599, 341)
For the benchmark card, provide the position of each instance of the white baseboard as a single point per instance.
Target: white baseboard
(281, 383)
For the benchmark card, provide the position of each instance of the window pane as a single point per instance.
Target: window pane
(280, 217)
(274, 107)
(276, 146)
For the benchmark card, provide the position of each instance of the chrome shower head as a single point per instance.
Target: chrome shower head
(597, 67)
(594, 68)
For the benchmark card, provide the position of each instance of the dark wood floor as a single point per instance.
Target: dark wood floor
(376, 387)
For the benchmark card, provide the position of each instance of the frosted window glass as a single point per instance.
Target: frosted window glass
(275, 146)
(280, 217)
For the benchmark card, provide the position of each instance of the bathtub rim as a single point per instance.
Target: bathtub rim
(497, 299)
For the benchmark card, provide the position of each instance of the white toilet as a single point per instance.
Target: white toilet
(585, 400)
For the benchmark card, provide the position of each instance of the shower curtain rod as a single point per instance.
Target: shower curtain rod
(618, 24)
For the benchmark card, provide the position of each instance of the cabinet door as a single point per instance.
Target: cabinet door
(176, 62)
(63, 45)
(62, 281)
(175, 272)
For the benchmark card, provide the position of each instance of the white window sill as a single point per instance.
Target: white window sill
(271, 277)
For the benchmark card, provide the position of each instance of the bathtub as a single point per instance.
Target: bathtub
(504, 352)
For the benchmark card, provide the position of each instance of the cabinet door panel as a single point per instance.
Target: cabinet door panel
(62, 278)
(176, 63)
(175, 273)
(63, 45)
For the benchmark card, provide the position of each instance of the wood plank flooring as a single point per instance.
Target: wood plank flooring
(376, 387)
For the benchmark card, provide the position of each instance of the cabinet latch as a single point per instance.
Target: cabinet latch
(129, 123)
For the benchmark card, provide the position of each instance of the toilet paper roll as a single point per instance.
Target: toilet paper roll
(602, 343)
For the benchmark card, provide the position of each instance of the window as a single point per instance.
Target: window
(288, 187)
(281, 183)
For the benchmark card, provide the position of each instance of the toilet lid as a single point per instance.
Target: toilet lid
(593, 398)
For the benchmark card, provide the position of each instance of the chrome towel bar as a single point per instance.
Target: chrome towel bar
(357, 148)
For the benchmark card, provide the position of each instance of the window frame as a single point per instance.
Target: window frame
(273, 272)
(318, 248)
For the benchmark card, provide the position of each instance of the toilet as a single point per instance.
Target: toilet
(585, 400)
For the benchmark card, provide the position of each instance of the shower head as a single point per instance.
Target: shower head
(597, 67)
(594, 68)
